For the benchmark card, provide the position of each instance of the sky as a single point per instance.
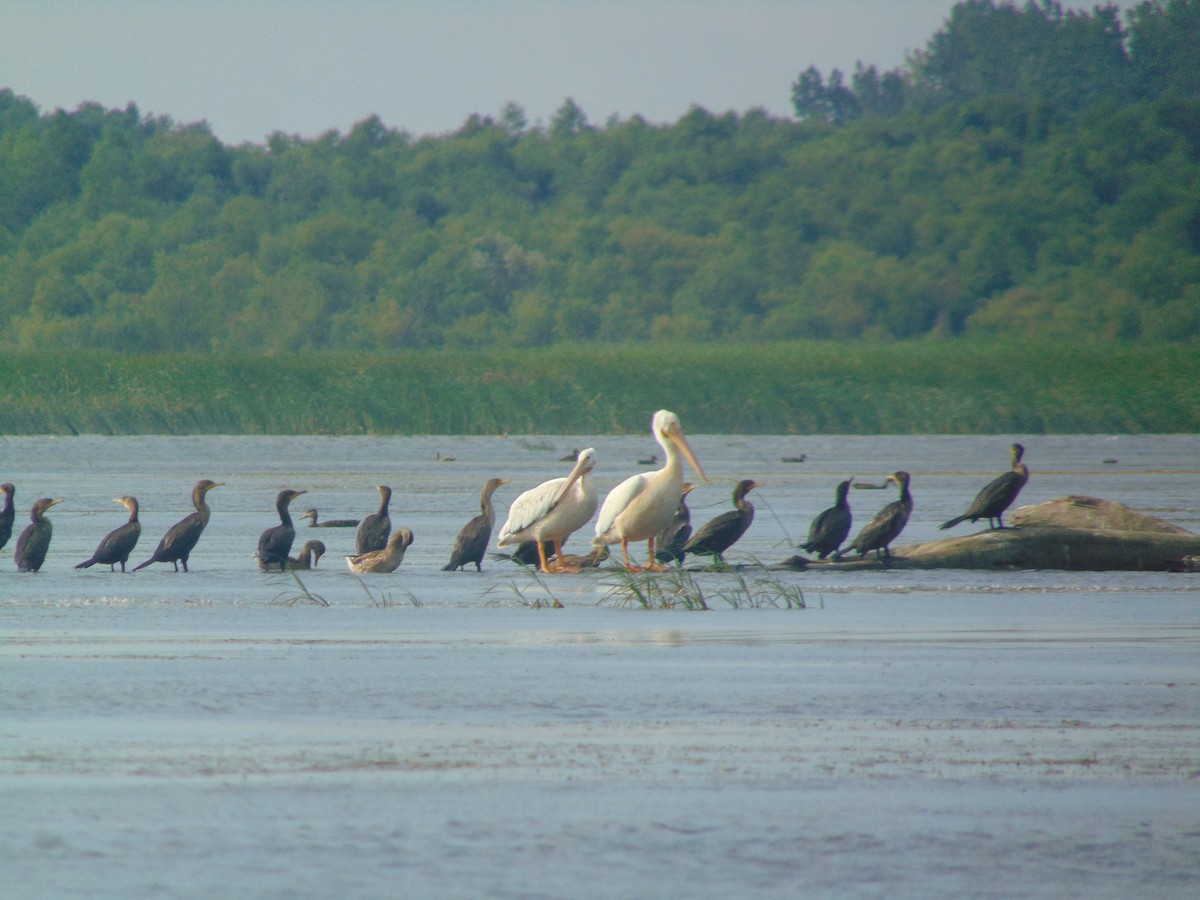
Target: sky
(303, 67)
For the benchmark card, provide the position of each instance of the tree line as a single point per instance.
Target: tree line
(1030, 172)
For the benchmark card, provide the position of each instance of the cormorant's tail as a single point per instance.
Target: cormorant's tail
(146, 563)
(86, 564)
(952, 522)
(449, 567)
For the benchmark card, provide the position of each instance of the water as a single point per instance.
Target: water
(449, 734)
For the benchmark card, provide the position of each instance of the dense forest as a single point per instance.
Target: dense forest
(1031, 172)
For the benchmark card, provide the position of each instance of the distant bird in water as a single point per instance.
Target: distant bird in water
(386, 560)
(552, 511)
(374, 530)
(719, 534)
(831, 526)
(310, 554)
(794, 459)
(997, 495)
(641, 506)
(651, 460)
(35, 539)
(311, 515)
(275, 543)
(440, 458)
(570, 457)
(474, 537)
(179, 541)
(669, 542)
(7, 514)
(118, 543)
(886, 525)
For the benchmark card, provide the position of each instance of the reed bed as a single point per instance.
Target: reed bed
(933, 387)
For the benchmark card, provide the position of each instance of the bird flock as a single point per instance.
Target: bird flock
(646, 507)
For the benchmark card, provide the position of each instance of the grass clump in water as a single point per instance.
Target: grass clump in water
(681, 589)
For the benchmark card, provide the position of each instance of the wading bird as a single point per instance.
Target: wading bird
(641, 506)
(997, 495)
(552, 511)
(35, 539)
(179, 541)
(829, 529)
(118, 543)
(474, 537)
(886, 525)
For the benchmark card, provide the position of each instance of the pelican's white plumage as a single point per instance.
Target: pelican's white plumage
(642, 505)
(553, 510)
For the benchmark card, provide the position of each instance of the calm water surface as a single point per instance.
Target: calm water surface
(446, 734)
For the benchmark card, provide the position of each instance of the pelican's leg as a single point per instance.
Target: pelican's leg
(653, 565)
(625, 556)
(541, 549)
(560, 566)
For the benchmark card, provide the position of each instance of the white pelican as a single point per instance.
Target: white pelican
(552, 511)
(641, 506)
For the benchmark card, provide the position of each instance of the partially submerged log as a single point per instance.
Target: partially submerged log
(1073, 533)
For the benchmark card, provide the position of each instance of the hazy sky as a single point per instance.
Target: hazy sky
(251, 67)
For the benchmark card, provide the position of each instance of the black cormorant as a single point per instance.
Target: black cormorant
(177, 544)
(997, 495)
(886, 524)
(118, 543)
(670, 541)
(311, 515)
(35, 539)
(374, 530)
(472, 541)
(275, 543)
(310, 554)
(385, 560)
(719, 534)
(7, 514)
(831, 526)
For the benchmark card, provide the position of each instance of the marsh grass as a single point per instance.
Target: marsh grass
(681, 589)
(928, 386)
(535, 593)
(386, 598)
(301, 594)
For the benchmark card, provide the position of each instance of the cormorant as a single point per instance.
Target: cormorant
(177, 544)
(385, 560)
(275, 543)
(118, 543)
(310, 553)
(472, 541)
(311, 515)
(831, 526)
(35, 539)
(719, 534)
(886, 524)
(526, 553)
(669, 542)
(374, 530)
(7, 514)
(997, 495)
